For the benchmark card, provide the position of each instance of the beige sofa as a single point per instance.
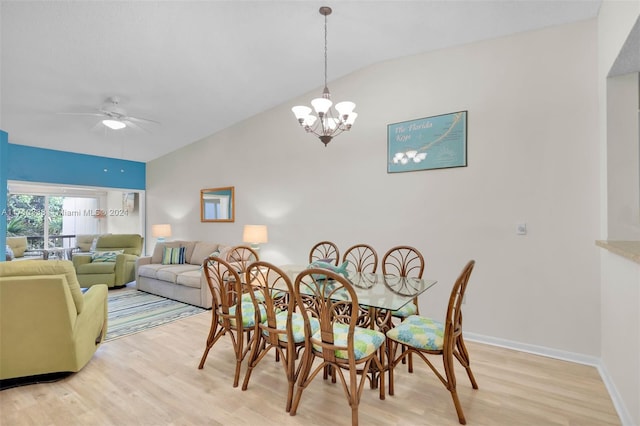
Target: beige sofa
(184, 282)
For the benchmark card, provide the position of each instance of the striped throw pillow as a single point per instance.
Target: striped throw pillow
(173, 255)
(105, 256)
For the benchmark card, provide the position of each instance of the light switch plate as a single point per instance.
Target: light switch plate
(521, 229)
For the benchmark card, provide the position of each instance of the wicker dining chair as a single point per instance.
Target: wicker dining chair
(232, 313)
(339, 344)
(425, 336)
(325, 250)
(242, 257)
(281, 328)
(361, 258)
(403, 261)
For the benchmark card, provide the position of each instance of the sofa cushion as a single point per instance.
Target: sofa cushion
(170, 272)
(105, 256)
(158, 250)
(173, 256)
(190, 278)
(189, 247)
(151, 270)
(202, 251)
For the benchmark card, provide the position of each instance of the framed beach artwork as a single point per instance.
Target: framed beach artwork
(437, 142)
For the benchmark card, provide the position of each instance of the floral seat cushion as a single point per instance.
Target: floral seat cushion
(248, 314)
(297, 326)
(366, 341)
(419, 332)
(406, 311)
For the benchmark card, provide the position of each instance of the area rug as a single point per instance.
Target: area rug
(133, 311)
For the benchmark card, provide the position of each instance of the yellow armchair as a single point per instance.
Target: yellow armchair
(118, 269)
(47, 325)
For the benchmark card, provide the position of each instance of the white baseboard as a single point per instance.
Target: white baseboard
(618, 403)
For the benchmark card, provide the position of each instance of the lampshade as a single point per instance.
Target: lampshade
(255, 234)
(161, 230)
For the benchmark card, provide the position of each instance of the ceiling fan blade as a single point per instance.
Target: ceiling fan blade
(133, 125)
(93, 114)
(141, 120)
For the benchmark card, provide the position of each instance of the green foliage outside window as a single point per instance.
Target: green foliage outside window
(26, 214)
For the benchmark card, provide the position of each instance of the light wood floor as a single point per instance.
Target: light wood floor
(151, 378)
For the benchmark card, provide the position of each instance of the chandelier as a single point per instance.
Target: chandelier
(328, 123)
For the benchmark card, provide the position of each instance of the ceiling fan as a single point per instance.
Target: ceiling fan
(114, 116)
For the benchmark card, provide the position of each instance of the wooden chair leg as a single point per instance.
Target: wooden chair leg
(253, 356)
(303, 375)
(391, 364)
(211, 340)
(451, 383)
(456, 402)
(464, 354)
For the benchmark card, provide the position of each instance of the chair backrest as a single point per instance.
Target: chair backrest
(85, 241)
(272, 289)
(130, 243)
(325, 250)
(18, 245)
(226, 289)
(43, 268)
(242, 257)
(330, 298)
(404, 261)
(453, 319)
(362, 258)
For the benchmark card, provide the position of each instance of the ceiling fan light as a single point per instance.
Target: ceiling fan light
(114, 124)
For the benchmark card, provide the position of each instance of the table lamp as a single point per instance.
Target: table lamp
(161, 231)
(255, 235)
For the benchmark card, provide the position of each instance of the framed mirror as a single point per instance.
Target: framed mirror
(217, 205)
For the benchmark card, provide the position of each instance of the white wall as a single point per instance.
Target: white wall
(623, 157)
(620, 278)
(120, 219)
(533, 157)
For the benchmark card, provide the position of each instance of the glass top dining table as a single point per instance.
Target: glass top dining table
(390, 292)
(378, 290)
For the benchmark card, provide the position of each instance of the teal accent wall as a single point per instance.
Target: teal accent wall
(31, 164)
(4, 160)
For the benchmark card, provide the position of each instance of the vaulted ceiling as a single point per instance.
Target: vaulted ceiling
(198, 67)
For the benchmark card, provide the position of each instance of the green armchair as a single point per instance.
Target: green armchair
(113, 263)
(47, 325)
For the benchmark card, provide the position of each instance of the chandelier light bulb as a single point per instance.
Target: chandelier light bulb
(301, 112)
(321, 105)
